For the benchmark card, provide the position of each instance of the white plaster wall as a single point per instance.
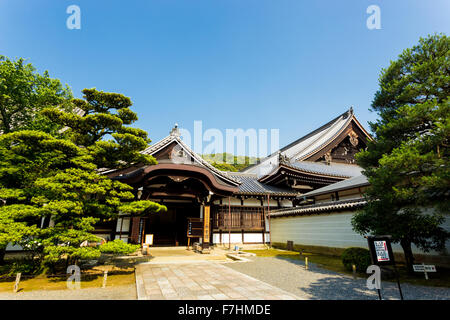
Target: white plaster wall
(253, 237)
(273, 203)
(252, 202)
(286, 203)
(235, 238)
(233, 201)
(329, 230)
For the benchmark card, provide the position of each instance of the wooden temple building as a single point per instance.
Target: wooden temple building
(232, 207)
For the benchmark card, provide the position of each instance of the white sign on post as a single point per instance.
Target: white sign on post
(424, 268)
(149, 239)
(381, 250)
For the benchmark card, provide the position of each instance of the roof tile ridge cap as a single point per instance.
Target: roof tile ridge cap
(319, 205)
(279, 150)
(317, 172)
(320, 136)
(242, 173)
(332, 164)
(157, 144)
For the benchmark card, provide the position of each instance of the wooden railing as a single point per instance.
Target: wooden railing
(241, 218)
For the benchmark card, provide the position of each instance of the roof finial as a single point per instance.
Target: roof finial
(175, 131)
(351, 109)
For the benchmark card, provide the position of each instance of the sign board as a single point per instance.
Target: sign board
(206, 224)
(381, 250)
(149, 239)
(424, 268)
(195, 228)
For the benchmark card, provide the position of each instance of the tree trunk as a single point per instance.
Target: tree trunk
(409, 257)
(2, 256)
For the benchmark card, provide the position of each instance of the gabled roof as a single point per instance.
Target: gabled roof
(174, 137)
(333, 169)
(355, 182)
(310, 144)
(319, 208)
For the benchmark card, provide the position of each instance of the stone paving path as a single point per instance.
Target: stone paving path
(321, 284)
(201, 281)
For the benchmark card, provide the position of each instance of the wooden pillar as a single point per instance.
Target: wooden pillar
(229, 223)
(263, 216)
(268, 214)
(206, 226)
(135, 229)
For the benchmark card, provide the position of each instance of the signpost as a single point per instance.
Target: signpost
(424, 268)
(147, 243)
(195, 229)
(105, 276)
(206, 222)
(149, 239)
(16, 285)
(381, 253)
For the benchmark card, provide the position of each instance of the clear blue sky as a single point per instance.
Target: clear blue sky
(286, 64)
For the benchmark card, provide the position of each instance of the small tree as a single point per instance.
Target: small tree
(24, 92)
(408, 163)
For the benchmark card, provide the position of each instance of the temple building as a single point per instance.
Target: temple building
(221, 207)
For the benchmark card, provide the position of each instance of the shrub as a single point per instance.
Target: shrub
(360, 257)
(23, 266)
(118, 247)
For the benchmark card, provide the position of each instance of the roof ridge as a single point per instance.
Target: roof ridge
(314, 131)
(347, 113)
(171, 138)
(318, 172)
(320, 207)
(334, 124)
(203, 161)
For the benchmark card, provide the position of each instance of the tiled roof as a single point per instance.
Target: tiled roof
(176, 138)
(319, 208)
(332, 169)
(251, 185)
(306, 146)
(354, 182)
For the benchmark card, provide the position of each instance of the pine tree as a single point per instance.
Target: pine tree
(56, 176)
(24, 92)
(408, 163)
(104, 115)
(46, 177)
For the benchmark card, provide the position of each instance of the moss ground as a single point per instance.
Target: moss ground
(88, 280)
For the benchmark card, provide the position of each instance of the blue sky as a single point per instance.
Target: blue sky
(288, 64)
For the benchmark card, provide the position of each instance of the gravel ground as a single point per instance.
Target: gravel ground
(320, 284)
(113, 293)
